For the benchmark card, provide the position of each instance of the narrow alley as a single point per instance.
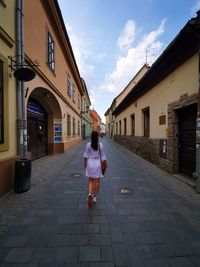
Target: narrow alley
(143, 216)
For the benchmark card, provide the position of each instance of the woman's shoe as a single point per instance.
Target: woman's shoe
(94, 200)
(90, 201)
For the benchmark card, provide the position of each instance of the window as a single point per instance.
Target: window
(79, 102)
(125, 126)
(73, 93)
(133, 124)
(78, 128)
(51, 53)
(68, 125)
(68, 85)
(116, 128)
(120, 127)
(74, 127)
(1, 102)
(146, 116)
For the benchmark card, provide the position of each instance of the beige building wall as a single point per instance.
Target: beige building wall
(7, 48)
(36, 30)
(55, 82)
(182, 82)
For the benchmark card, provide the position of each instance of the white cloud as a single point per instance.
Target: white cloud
(81, 52)
(128, 35)
(127, 66)
(195, 8)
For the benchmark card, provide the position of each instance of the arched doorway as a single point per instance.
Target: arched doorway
(36, 129)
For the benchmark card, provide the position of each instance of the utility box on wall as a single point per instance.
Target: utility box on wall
(163, 148)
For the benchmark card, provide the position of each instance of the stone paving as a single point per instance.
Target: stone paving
(157, 223)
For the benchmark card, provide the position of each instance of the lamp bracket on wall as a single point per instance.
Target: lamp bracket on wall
(22, 70)
(85, 111)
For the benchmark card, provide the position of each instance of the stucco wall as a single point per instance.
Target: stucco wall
(183, 81)
(7, 48)
(36, 30)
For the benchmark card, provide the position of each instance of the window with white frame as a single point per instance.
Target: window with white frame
(51, 52)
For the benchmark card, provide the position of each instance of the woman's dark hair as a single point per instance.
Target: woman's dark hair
(94, 140)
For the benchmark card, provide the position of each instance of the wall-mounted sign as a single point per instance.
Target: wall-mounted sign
(24, 74)
(35, 109)
(162, 119)
(57, 131)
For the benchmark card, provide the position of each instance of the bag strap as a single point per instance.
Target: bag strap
(100, 153)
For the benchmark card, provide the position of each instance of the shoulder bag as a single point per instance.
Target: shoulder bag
(103, 163)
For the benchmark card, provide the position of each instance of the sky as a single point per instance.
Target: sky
(113, 39)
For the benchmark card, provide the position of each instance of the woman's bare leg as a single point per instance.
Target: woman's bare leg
(96, 186)
(90, 185)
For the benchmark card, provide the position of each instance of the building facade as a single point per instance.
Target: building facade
(52, 101)
(86, 129)
(95, 121)
(157, 119)
(8, 117)
(53, 98)
(110, 118)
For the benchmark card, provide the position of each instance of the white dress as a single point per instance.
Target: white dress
(93, 169)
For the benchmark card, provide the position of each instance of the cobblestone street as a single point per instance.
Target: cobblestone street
(144, 217)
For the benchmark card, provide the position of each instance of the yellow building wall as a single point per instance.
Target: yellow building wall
(184, 80)
(132, 83)
(7, 48)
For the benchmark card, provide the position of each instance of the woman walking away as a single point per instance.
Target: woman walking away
(93, 155)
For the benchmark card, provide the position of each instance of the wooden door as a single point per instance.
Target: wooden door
(32, 137)
(187, 140)
(37, 137)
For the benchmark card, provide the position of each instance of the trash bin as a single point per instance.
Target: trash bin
(22, 175)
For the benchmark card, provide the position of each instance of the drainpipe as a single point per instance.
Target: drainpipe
(22, 181)
(21, 123)
(197, 173)
(22, 87)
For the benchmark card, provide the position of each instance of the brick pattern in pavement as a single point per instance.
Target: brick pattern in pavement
(156, 224)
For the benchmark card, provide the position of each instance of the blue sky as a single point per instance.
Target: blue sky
(112, 39)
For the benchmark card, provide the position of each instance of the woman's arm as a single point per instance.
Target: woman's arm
(103, 156)
(86, 155)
